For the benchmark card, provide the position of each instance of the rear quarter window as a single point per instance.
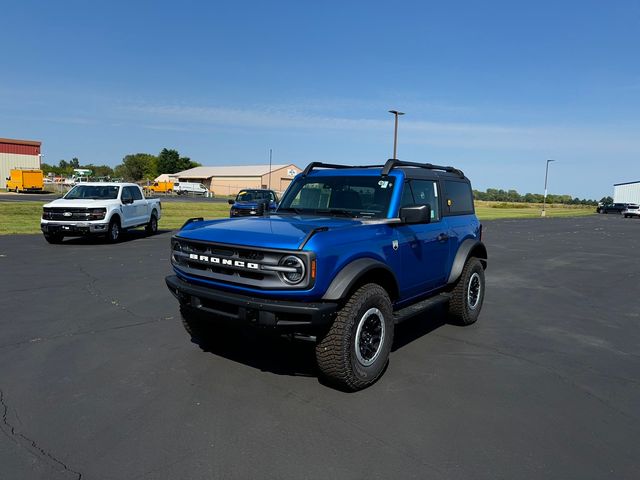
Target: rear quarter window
(458, 198)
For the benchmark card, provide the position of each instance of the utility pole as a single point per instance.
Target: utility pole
(395, 132)
(270, 155)
(544, 200)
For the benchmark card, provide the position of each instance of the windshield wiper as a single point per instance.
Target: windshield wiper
(289, 209)
(336, 211)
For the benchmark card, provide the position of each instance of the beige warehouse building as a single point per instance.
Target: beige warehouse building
(228, 180)
(14, 153)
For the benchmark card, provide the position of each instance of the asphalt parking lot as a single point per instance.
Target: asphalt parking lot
(100, 381)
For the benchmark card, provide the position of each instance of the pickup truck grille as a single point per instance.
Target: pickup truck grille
(237, 265)
(66, 214)
(242, 212)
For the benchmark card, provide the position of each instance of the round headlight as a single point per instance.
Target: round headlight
(292, 277)
(176, 258)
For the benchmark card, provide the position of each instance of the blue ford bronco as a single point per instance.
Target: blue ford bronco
(254, 202)
(349, 251)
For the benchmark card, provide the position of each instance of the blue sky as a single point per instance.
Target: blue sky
(494, 88)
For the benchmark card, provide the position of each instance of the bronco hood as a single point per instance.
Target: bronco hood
(274, 231)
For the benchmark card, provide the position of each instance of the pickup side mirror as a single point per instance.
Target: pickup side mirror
(231, 202)
(415, 214)
(127, 201)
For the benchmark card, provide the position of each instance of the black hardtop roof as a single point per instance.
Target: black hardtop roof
(411, 169)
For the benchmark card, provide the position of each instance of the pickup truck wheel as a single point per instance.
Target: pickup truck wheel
(355, 351)
(53, 237)
(152, 226)
(468, 294)
(114, 232)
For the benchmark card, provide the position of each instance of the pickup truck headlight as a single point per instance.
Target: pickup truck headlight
(97, 213)
(296, 270)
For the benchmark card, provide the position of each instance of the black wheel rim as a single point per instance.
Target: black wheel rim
(369, 336)
(473, 291)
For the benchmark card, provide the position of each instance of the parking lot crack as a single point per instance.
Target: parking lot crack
(34, 445)
(94, 291)
(84, 332)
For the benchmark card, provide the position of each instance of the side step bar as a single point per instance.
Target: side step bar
(413, 310)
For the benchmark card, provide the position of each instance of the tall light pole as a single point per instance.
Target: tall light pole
(544, 200)
(270, 154)
(395, 132)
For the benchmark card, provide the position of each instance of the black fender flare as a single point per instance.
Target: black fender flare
(464, 252)
(350, 274)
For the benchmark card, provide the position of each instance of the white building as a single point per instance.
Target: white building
(229, 179)
(23, 154)
(628, 192)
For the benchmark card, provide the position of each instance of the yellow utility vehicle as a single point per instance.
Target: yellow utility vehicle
(159, 187)
(25, 180)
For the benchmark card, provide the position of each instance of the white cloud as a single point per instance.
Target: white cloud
(606, 140)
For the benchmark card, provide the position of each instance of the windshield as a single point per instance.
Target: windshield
(367, 197)
(253, 195)
(93, 192)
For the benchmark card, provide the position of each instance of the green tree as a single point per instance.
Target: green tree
(137, 167)
(99, 170)
(606, 200)
(170, 161)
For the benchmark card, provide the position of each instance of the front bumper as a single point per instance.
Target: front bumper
(260, 311)
(76, 228)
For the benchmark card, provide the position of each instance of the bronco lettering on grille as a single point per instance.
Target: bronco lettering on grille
(224, 261)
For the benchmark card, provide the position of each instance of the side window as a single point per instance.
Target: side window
(407, 196)
(126, 194)
(426, 192)
(459, 198)
(136, 193)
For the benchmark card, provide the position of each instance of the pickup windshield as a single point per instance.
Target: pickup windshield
(93, 192)
(344, 196)
(254, 195)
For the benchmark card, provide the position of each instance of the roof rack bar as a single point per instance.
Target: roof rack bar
(313, 165)
(391, 163)
(388, 166)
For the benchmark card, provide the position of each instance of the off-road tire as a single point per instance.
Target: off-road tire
(114, 231)
(152, 227)
(464, 307)
(336, 351)
(53, 238)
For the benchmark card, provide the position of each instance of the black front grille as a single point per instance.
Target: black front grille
(243, 212)
(232, 264)
(66, 214)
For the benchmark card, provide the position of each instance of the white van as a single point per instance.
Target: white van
(190, 188)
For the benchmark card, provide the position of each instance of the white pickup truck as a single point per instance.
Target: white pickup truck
(99, 208)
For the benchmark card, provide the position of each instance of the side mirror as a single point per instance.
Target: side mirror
(415, 214)
(127, 201)
(231, 202)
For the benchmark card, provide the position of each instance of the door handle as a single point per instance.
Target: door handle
(442, 237)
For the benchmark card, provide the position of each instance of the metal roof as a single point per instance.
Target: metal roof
(230, 171)
(626, 183)
(15, 141)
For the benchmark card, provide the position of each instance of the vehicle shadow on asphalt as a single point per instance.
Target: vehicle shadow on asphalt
(286, 356)
(417, 326)
(129, 236)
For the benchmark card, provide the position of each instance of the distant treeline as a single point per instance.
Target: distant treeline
(496, 195)
(134, 167)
